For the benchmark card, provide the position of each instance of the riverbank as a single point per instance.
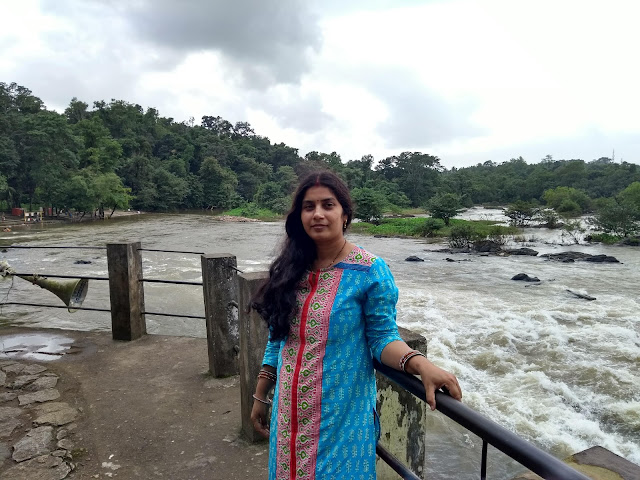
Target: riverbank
(144, 409)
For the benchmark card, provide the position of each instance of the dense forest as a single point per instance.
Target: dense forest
(118, 155)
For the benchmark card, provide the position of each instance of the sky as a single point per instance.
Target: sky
(465, 80)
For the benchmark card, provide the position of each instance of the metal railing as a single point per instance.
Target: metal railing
(72, 247)
(526, 454)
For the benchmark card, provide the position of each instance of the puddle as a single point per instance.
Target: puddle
(42, 347)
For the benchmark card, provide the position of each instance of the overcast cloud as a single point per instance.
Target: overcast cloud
(465, 80)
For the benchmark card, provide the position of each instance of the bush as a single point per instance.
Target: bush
(497, 235)
(549, 217)
(521, 213)
(431, 226)
(605, 238)
(462, 236)
(569, 208)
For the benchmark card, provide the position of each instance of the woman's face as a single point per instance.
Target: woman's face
(322, 215)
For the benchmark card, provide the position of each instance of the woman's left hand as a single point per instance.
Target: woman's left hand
(433, 378)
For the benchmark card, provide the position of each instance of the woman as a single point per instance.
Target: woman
(330, 307)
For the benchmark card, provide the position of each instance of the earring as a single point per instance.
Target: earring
(344, 227)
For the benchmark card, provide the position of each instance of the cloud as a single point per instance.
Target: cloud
(294, 108)
(268, 42)
(418, 116)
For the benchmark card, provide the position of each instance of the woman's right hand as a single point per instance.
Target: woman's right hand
(260, 418)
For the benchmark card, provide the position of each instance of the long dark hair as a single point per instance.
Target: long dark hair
(276, 299)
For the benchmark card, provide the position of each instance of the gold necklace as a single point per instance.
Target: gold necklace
(337, 255)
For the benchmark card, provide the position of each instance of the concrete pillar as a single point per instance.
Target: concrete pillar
(126, 291)
(253, 339)
(219, 283)
(402, 419)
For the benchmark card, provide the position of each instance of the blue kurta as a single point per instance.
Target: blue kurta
(323, 423)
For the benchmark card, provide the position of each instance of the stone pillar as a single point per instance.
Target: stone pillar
(126, 291)
(253, 339)
(402, 419)
(219, 283)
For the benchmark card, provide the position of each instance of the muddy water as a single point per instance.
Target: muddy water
(560, 371)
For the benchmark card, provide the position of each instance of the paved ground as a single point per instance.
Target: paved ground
(149, 409)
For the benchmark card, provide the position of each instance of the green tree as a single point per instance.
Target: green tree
(271, 196)
(110, 193)
(521, 213)
(567, 200)
(444, 206)
(617, 217)
(218, 184)
(631, 194)
(370, 204)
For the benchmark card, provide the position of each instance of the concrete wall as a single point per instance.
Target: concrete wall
(402, 419)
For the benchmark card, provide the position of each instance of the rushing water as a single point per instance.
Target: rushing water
(560, 371)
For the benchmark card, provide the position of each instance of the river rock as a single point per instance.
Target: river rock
(525, 277)
(82, 262)
(521, 251)
(567, 257)
(38, 441)
(41, 396)
(45, 467)
(602, 259)
(42, 383)
(486, 246)
(413, 258)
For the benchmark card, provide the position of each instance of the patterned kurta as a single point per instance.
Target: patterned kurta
(323, 423)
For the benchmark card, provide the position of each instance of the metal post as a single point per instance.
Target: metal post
(253, 339)
(219, 283)
(126, 291)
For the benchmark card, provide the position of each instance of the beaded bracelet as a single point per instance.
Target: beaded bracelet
(266, 402)
(407, 356)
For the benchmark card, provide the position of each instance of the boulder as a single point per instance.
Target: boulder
(602, 259)
(486, 246)
(568, 257)
(413, 258)
(521, 251)
(525, 277)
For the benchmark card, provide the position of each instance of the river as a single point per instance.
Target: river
(560, 371)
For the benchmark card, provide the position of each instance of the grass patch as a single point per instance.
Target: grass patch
(415, 227)
(251, 211)
(605, 238)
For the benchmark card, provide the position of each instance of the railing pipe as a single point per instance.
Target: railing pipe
(91, 309)
(395, 464)
(528, 455)
(49, 246)
(178, 282)
(58, 276)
